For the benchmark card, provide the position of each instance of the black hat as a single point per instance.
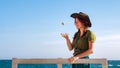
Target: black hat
(82, 17)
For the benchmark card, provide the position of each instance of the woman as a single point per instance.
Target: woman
(83, 40)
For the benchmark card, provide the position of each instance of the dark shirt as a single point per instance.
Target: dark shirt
(81, 44)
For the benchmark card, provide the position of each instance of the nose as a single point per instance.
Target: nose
(76, 22)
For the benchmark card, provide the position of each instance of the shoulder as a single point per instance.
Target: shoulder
(90, 32)
(91, 36)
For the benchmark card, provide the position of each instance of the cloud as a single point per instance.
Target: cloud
(112, 37)
(107, 46)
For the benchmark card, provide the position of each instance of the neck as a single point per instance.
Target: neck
(82, 30)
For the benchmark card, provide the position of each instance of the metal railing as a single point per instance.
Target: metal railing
(59, 61)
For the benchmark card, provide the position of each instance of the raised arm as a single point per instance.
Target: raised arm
(69, 44)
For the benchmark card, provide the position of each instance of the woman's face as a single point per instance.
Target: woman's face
(78, 23)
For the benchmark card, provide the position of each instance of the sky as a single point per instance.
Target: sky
(32, 28)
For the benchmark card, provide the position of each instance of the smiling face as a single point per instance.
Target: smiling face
(78, 24)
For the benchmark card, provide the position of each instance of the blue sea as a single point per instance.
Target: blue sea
(8, 64)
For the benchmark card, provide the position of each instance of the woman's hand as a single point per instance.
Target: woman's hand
(72, 59)
(69, 44)
(65, 35)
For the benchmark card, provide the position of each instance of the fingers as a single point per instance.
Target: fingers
(72, 59)
(65, 35)
(69, 60)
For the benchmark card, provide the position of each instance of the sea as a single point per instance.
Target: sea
(8, 64)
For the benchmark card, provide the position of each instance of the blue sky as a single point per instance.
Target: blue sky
(31, 28)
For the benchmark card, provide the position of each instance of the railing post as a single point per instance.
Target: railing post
(14, 64)
(105, 65)
(59, 65)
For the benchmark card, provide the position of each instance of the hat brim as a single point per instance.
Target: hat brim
(82, 16)
(75, 15)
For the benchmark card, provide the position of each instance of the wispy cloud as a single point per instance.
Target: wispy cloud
(107, 46)
(111, 37)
